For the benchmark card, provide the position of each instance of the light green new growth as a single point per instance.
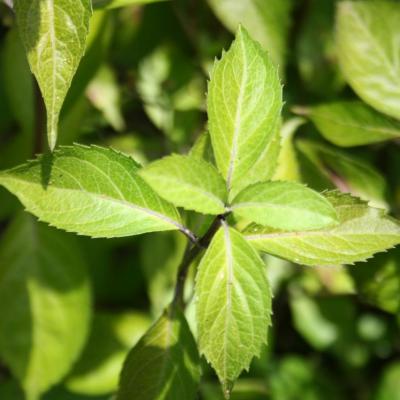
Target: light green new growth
(284, 205)
(187, 182)
(164, 365)
(233, 305)
(54, 34)
(91, 191)
(352, 123)
(244, 105)
(369, 50)
(362, 232)
(44, 304)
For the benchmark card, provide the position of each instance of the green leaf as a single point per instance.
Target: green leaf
(108, 4)
(44, 304)
(54, 34)
(187, 182)
(91, 191)
(368, 51)
(284, 205)
(352, 123)
(164, 365)
(362, 232)
(267, 21)
(233, 305)
(244, 105)
(202, 148)
(112, 336)
(389, 385)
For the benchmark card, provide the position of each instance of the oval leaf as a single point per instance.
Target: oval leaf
(233, 305)
(54, 35)
(284, 205)
(362, 231)
(352, 123)
(91, 191)
(188, 182)
(44, 304)
(164, 365)
(244, 104)
(368, 51)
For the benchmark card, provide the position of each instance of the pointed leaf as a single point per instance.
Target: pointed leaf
(352, 123)
(54, 34)
(91, 191)
(368, 51)
(164, 365)
(44, 304)
(188, 182)
(244, 105)
(233, 305)
(284, 205)
(362, 232)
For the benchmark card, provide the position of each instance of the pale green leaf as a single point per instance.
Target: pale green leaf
(112, 336)
(187, 182)
(284, 205)
(244, 105)
(288, 168)
(120, 3)
(44, 304)
(369, 50)
(54, 34)
(233, 305)
(164, 365)
(267, 21)
(202, 148)
(352, 123)
(91, 191)
(362, 232)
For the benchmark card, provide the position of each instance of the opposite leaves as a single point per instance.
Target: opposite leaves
(54, 35)
(188, 182)
(91, 191)
(369, 50)
(362, 232)
(244, 104)
(164, 365)
(233, 305)
(284, 205)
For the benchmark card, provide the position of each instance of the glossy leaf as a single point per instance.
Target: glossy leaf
(187, 182)
(44, 304)
(91, 191)
(368, 51)
(352, 123)
(362, 232)
(244, 104)
(233, 305)
(54, 34)
(284, 205)
(267, 21)
(164, 365)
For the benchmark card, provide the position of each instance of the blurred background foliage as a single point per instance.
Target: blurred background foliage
(141, 89)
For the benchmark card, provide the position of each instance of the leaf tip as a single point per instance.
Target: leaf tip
(227, 387)
(52, 138)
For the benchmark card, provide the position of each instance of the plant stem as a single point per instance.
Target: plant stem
(192, 251)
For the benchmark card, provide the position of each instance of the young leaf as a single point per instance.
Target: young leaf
(284, 205)
(54, 34)
(368, 51)
(44, 304)
(244, 104)
(91, 191)
(267, 21)
(109, 4)
(352, 123)
(164, 365)
(362, 232)
(233, 305)
(187, 182)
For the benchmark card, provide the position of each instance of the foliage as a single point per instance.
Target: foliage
(215, 203)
